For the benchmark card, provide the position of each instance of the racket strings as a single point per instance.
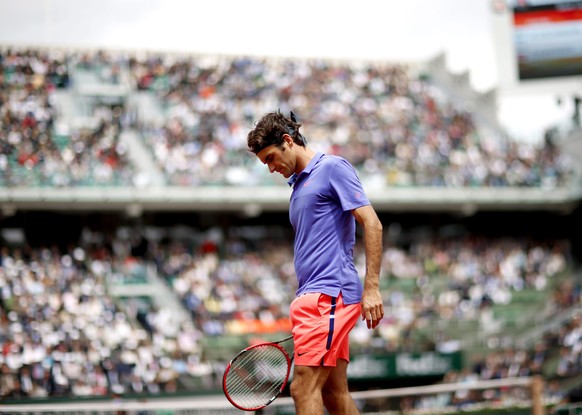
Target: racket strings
(256, 377)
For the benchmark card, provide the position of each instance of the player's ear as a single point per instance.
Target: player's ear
(288, 139)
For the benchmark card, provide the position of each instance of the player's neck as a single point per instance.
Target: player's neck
(304, 156)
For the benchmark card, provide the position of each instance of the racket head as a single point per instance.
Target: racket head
(256, 376)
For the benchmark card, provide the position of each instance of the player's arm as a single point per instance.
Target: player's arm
(372, 307)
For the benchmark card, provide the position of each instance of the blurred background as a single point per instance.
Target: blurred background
(142, 245)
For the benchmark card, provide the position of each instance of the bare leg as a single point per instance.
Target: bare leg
(306, 389)
(336, 395)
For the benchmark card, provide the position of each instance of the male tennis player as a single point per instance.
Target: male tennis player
(326, 201)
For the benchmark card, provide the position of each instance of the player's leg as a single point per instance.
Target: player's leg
(336, 395)
(321, 326)
(310, 331)
(306, 389)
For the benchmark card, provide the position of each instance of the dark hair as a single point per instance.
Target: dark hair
(270, 129)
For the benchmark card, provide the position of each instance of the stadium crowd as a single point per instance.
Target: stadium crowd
(396, 127)
(36, 147)
(63, 334)
(393, 125)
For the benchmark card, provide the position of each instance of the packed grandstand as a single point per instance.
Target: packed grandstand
(135, 302)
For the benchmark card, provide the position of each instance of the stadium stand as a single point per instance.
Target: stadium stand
(111, 300)
(397, 127)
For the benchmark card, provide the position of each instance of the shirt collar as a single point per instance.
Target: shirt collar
(306, 170)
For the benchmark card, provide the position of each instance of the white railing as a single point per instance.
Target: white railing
(531, 391)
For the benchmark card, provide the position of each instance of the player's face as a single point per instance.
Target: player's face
(277, 160)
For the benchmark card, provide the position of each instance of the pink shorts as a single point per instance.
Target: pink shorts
(321, 328)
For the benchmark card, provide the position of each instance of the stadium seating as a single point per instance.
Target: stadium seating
(136, 315)
(237, 295)
(192, 113)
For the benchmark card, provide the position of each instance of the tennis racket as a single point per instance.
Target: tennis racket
(257, 375)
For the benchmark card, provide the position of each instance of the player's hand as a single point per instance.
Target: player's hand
(372, 307)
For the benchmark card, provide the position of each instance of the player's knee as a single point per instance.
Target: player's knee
(302, 395)
(302, 388)
(296, 390)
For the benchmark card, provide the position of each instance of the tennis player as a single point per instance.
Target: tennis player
(326, 201)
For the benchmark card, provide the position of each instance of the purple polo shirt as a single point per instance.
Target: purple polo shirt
(324, 194)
